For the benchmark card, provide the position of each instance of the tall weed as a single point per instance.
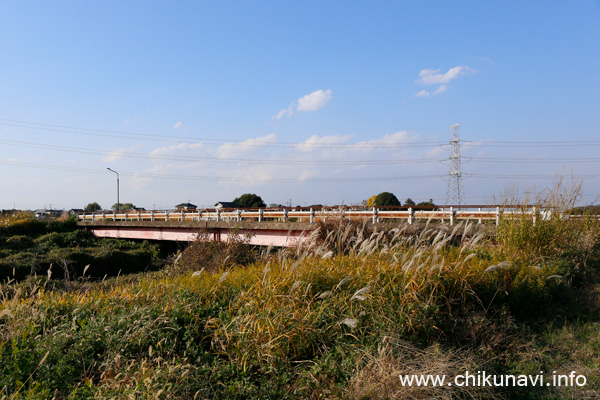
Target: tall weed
(548, 233)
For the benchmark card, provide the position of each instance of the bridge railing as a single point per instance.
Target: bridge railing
(449, 214)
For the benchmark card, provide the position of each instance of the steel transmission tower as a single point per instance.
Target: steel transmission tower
(456, 191)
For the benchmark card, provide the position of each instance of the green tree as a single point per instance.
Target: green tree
(409, 202)
(122, 207)
(92, 207)
(249, 200)
(427, 203)
(385, 199)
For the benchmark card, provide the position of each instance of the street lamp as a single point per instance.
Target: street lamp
(118, 202)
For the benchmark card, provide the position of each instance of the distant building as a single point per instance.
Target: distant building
(226, 204)
(44, 213)
(185, 207)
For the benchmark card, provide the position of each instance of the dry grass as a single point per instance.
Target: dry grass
(379, 378)
(205, 254)
(545, 231)
(340, 317)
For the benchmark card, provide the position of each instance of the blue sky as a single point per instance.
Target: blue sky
(303, 102)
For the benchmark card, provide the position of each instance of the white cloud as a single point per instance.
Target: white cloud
(399, 137)
(229, 150)
(391, 140)
(176, 149)
(286, 112)
(119, 153)
(439, 151)
(139, 180)
(338, 147)
(178, 125)
(315, 141)
(306, 174)
(336, 156)
(250, 176)
(440, 90)
(315, 100)
(310, 102)
(433, 77)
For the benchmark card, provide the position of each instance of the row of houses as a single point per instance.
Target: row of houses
(44, 213)
(193, 207)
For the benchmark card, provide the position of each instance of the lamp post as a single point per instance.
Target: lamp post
(118, 202)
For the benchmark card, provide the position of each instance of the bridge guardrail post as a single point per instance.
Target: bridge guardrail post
(497, 216)
(479, 220)
(152, 216)
(182, 216)
(239, 215)
(285, 215)
(534, 211)
(411, 215)
(261, 214)
(452, 213)
(312, 216)
(218, 215)
(375, 212)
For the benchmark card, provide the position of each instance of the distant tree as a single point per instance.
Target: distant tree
(92, 207)
(409, 202)
(249, 200)
(384, 199)
(122, 207)
(371, 200)
(427, 203)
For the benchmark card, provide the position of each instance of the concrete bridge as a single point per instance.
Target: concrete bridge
(276, 227)
(263, 233)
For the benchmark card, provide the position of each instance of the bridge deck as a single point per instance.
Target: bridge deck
(282, 234)
(282, 227)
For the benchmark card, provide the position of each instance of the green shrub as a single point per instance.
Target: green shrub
(18, 242)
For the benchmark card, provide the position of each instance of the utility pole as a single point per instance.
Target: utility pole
(456, 192)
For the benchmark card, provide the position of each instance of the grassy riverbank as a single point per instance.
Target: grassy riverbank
(29, 246)
(340, 317)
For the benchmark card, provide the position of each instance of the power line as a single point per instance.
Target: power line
(560, 143)
(268, 143)
(530, 160)
(129, 154)
(218, 178)
(530, 176)
(213, 141)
